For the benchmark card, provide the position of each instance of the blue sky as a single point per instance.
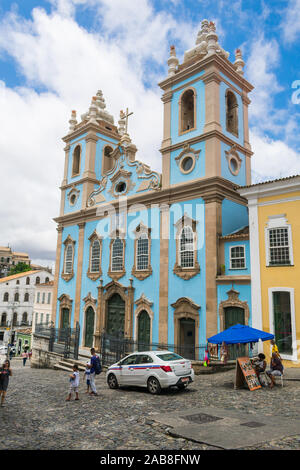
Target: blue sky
(55, 54)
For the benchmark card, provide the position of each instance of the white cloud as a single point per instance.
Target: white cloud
(290, 24)
(272, 159)
(53, 52)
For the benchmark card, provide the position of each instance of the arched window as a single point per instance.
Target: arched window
(27, 281)
(37, 280)
(95, 257)
(142, 252)
(117, 255)
(47, 279)
(187, 110)
(15, 319)
(69, 259)
(187, 248)
(3, 319)
(26, 297)
(6, 297)
(76, 161)
(16, 298)
(24, 317)
(108, 161)
(232, 124)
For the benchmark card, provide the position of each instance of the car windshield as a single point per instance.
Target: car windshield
(169, 357)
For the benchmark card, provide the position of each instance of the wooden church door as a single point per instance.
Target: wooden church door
(115, 322)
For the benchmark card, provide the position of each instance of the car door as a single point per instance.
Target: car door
(128, 369)
(142, 369)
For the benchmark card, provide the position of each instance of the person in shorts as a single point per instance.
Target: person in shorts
(87, 374)
(74, 384)
(276, 369)
(5, 373)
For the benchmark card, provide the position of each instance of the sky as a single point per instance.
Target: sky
(56, 54)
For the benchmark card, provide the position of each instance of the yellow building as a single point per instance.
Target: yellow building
(274, 223)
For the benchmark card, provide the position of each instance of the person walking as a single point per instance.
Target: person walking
(74, 383)
(275, 348)
(24, 356)
(95, 368)
(5, 373)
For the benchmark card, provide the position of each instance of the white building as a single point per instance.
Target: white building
(43, 304)
(17, 296)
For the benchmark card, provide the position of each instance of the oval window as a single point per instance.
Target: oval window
(234, 165)
(120, 187)
(73, 199)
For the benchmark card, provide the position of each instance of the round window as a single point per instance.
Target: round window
(187, 164)
(120, 187)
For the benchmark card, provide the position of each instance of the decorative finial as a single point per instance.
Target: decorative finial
(239, 63)
(212, 39)
(72, 121)
(93, 110)
(172, 61)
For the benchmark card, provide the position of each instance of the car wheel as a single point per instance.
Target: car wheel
(153, 386)
(182, 386)
(112, 381)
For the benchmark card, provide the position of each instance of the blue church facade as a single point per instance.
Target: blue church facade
(160, 257)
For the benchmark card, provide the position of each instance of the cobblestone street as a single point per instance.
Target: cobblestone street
(36, 415)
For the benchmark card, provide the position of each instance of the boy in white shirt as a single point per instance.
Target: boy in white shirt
(74, 383)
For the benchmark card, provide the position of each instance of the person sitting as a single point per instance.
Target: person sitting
(276, 368)
(260, 367)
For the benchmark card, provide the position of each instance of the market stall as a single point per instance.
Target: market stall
(242, 334)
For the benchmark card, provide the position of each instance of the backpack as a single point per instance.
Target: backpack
(97, 365)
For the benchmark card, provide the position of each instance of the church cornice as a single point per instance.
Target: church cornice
(209, 189)
(206, 136)
(224, 65)
(103, 128)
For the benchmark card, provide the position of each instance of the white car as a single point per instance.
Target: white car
(152, 369)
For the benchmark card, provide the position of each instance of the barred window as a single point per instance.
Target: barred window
(279, 246)
(69, 259)
(187, 248)
(237, 257)
(6, 297)
(142, 252)
(95, 257)
(117, 255)
(26, 297)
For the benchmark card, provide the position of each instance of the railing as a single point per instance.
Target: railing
(64, 341)
(113, 349)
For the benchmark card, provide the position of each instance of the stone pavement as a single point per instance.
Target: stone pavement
(36, 415)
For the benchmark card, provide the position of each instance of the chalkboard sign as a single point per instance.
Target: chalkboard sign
(246, 373)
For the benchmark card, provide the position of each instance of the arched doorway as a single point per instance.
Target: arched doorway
(89, 327)
(115, 318)
(144, 324)
(187, 338)
(233, 316)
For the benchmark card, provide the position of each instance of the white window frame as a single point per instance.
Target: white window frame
(65, 263)
(278, 222)
(143, 236)
(230, 257)
(181, 251)
(112, 257)
(287, 357)
(92, 258)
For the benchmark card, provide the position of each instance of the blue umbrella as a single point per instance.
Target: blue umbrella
(240, 334)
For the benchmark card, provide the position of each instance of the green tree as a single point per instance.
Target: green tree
(19, 268)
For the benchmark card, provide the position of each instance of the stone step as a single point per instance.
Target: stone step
(69, 364)
(60, 367)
